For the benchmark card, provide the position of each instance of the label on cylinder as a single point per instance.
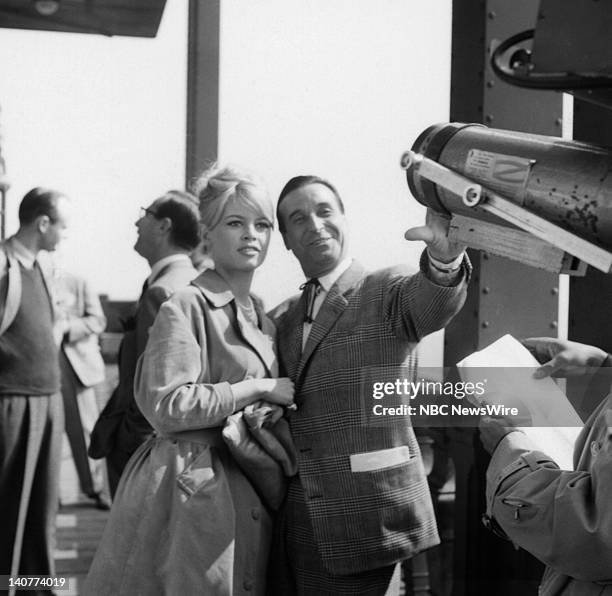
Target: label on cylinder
(497, 171)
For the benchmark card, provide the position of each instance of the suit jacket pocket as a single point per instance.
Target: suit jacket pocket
(197, 474)
(384, 511)
(380, 459)
(408, 478)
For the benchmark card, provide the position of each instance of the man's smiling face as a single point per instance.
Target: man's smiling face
(314, 228)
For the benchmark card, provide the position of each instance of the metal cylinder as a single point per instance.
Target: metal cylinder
(566, 182)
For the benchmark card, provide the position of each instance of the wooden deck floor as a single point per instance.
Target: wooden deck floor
(79, 528)
(79, 523)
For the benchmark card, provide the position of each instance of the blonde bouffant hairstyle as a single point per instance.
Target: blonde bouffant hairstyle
(219, 185)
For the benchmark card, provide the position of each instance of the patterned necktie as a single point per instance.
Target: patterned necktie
(310, 290)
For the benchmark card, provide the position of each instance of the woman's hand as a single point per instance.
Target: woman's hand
(277, 391)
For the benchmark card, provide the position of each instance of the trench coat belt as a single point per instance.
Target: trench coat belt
(204, 436)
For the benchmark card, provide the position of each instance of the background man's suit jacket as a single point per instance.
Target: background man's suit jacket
(85, 320)
(365, 513)
(122, 427)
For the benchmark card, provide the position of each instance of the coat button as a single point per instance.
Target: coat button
(247, 584)
(255, 514)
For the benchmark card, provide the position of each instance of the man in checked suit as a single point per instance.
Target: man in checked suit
(360, 501)
(168, 231)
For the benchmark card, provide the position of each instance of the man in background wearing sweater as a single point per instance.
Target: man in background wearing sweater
(31, 415)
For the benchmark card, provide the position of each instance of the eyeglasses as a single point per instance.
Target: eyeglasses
(144, 211)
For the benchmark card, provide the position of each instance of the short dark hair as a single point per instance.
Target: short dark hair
(298, 182)
(182, 209)
(39, 201)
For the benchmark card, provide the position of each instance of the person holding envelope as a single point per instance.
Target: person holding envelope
(562, 517)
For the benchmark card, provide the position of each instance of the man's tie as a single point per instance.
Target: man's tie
(310, 290)
(129, 323)
(145, 287)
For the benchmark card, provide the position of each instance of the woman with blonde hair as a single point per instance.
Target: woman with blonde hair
(186, 520)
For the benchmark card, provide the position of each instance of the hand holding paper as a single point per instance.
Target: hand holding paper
(508, 369)
(562, 358)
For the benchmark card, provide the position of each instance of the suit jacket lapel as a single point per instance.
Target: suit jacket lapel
(329, 313)
(149, 282)
(290, 337)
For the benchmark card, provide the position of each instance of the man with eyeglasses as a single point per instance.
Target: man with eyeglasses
(168, 231)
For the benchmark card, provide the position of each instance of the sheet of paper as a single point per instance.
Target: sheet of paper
(508, 367)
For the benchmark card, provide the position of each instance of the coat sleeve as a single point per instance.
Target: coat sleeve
(561, 517)
(167, 385)
(92, 319)
(416, 306)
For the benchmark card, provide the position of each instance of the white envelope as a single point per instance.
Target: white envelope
(555, 423)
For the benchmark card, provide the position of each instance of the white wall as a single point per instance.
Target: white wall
(103, 120)
(338, 89)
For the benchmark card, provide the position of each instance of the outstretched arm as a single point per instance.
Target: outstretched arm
(423, 303)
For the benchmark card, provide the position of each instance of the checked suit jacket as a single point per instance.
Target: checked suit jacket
(363, 477)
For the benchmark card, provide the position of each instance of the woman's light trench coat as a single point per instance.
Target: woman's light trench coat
(185, 519)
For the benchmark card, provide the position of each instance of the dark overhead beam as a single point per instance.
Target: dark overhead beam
(138, 18)
(202, 86)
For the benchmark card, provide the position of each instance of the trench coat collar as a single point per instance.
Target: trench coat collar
(219, 294)
(214, 288)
